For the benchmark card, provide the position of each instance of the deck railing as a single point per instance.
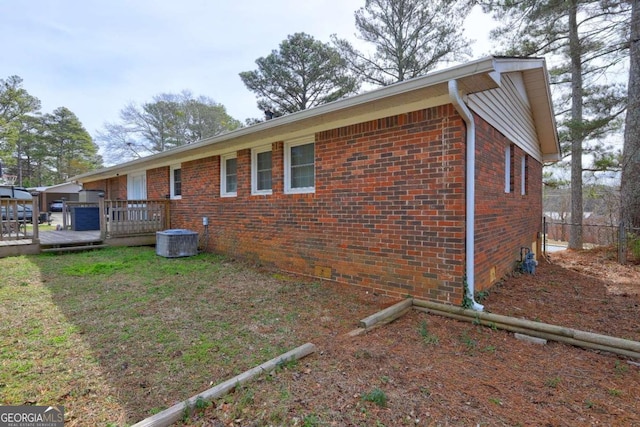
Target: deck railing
(15, 215)
(124, 218)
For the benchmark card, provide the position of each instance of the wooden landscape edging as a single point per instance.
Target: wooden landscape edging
(387, 315)
(541, 330)
(176, 412)
(546, 331)
(383, 317)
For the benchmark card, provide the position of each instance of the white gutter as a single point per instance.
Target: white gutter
(464, 111)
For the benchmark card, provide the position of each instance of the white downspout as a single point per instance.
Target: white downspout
(464, 111)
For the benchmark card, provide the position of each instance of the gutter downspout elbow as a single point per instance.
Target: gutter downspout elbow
(466, 115)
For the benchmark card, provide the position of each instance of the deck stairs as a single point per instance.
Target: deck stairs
(66, 241)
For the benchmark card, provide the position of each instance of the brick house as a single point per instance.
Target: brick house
(402, 190)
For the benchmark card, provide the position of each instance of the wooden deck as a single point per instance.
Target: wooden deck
(70, 241)
(54, 241)
(61, 237)
(121, 223)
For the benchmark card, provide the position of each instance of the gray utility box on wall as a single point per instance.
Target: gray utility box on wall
(176, 243)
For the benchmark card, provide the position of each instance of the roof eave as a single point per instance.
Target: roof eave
(476, 75)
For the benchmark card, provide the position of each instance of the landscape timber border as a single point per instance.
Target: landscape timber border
(588, 340)
(544, 331)
(177, 411)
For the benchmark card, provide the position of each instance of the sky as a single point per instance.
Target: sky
(96, 57)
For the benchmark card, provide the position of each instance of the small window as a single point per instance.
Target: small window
(229, 175)
(524, 175)
(261, 167)
(508, 169)
(300, 167)
(176, 182)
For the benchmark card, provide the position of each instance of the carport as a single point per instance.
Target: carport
(68, 190)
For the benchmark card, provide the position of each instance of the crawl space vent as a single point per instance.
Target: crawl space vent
(176, 243)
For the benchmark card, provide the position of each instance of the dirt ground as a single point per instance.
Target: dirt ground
(428, 370)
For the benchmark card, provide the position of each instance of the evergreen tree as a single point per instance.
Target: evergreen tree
(303, 73)
(630, 180)
(582, 39)
(71, 151)
(411, 38)
(16, 105)
(41, 149)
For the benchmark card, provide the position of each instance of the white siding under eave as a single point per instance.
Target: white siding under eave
(507, 109)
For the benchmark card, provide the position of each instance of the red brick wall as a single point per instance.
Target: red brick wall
(114, 188)
(387, 213)
(200, 194)
(96, 185)
(505, 222)
(158, 183)
(118, 188)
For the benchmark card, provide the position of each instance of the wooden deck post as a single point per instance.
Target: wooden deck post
(35, 217)
(102, 213)
(65, 218)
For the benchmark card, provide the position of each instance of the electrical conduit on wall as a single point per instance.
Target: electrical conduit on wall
(464, 111)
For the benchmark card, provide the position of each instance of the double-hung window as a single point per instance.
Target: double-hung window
(229, 175)
(261, 167)
(175, 181)
(299, 167)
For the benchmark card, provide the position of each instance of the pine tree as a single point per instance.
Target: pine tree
(303, 73)
(410, 38)
(582, 39)
(70, 147)
(630, 180)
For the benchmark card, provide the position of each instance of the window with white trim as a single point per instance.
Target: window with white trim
(261, 167)
(229, 175)
(175, 179)
(299, 167)
(137, 186)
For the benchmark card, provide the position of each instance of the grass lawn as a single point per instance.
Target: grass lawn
(118, 334)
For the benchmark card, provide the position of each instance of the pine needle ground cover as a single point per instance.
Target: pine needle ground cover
(119, 334)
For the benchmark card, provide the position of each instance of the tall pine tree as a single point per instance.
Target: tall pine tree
(582, 40)
(409, 37)
(301, 74)
(71, 149)
(630, 182)
(17, 106)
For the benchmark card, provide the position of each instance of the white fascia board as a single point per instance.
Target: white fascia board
(551, 158)
(490, 66)
(65, 187)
